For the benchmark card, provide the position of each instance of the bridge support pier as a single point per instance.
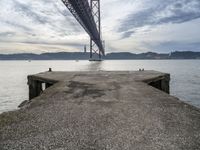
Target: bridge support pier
(94, 49)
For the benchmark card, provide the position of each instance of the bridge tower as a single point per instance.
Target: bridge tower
(96, 13)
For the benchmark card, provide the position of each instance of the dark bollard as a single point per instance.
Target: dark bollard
(50, 70)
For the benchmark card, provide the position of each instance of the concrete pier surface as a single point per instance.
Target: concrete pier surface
(99, 111)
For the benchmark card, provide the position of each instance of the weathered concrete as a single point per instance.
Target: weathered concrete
(101, 110)
(35, 85)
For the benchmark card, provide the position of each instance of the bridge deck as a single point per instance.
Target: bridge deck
(102, 110)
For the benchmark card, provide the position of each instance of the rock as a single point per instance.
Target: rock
(23, 103)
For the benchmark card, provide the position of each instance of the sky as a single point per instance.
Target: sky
(39, 26)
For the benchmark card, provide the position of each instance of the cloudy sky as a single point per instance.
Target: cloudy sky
(128, 25)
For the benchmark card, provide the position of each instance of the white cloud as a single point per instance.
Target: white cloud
(131, 25)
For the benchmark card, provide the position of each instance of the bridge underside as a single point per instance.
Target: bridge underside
(88, 15)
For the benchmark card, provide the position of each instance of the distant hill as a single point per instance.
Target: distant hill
(109, 56)
(45, 56)
(121, 55)
(185, 55)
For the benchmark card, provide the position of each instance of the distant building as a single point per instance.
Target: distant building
(85, 49)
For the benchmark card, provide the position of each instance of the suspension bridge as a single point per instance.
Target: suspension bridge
(89, 17)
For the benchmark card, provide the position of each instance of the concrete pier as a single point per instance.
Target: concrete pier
(101, 110)
(36, 86)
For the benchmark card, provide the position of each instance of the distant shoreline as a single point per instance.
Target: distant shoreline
(178, 55)
(88, 59)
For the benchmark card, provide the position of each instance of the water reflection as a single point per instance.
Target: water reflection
(95, 66)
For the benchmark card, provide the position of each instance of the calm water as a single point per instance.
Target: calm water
(185, 76)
